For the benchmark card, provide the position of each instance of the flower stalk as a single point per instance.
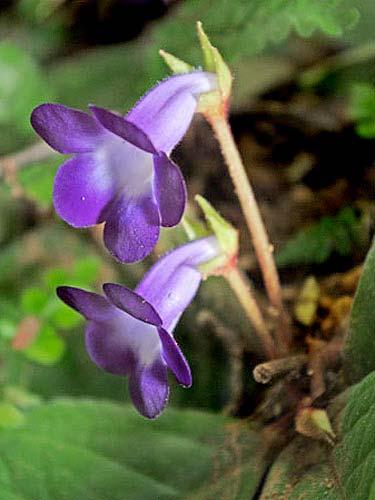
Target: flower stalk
(242, 289)
(263, 248)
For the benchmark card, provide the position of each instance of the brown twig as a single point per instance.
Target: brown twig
(14, 162)
(266, 372)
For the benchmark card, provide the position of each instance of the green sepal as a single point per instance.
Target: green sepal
(225, 233)
(215, 266)
(214, 62)
(194, 228)
(178, 66)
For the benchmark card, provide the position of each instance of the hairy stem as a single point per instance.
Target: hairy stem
(242, 289)
(263, 248)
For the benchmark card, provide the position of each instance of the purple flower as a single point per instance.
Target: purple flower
(130, 332)
(121, 172)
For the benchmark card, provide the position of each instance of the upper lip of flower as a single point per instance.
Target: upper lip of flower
(121, 173)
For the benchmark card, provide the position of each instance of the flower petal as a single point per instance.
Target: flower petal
(119, 126)
(148, 387)
(132, 228)
(172, 282)
(83, 190)
(170, 190)
(166, 111)
(132, 303)
(174, 358)
(91, 305)
(108, 349)
(67, 130)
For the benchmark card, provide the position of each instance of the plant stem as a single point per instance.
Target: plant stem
(241, 287)
(263, 248)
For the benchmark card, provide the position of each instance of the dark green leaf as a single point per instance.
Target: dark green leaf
(237, 28)
(360, 348)
(339, 234)
(363, 108)
(302, 471)
(96, 451)
(355, 457)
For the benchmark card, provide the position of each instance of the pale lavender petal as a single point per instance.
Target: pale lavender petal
(83, 190)
(107, 348)
(174, 358)
(91, 305)
(170, 190)
(166, 111)
(148, 387)
(171, 283)
(132, 228)
(132, 303)
(119, 126)
(67, 130)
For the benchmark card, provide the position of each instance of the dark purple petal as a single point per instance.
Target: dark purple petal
(132, 228)
(83, 190)
(91, 305)
(119, 126)
(131, 303)
(172, 282)
(107, 348)
(174, 358)
(169, 189)
(148, 387)
(67, 130)
(165, 112)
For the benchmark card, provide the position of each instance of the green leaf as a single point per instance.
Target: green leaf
(22, 87)
(302, 471)
(341, 234)
(34, 300)
(363, 109)
(305, 468)
(47, 349)
(355, 457)
(360, 347)
(7, 328)
(241, 27)
(55, 277)
(20, 397)
(86, 270)
(10, 416)
(238, 28)
(37, 180)
(97, 450)
(63, 316)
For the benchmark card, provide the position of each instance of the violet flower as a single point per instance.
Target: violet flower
(121, 173)
(130, 332)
